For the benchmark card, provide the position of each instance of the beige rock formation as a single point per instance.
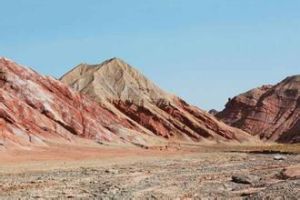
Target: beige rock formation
(126, 92)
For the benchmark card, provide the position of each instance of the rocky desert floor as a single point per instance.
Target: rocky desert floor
(198, 173)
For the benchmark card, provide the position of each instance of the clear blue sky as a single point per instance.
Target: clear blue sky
(203, 50)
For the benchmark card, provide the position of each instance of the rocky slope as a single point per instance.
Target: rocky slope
(272, 112)
(36, 110)
(120, 88)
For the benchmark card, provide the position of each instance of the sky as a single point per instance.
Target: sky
(205, 51)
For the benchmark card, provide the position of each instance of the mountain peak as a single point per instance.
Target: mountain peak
(295, 78)
(114, 79)
(5, 59)
(115, 61)
(82, 68)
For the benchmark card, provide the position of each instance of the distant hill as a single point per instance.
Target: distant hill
(272, 112)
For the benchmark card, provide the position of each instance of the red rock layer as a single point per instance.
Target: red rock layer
(272, 112)
(35, 109)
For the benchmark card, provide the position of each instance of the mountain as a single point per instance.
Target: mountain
(272, 112)
(128, 94)
(40, 110)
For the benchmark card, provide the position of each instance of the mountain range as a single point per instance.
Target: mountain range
(113, 103)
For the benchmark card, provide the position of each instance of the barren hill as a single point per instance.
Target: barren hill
(38, 110)
(272, 112)
(125, 91)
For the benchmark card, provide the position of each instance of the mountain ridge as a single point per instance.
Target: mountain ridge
(116, 105)
(145, 103)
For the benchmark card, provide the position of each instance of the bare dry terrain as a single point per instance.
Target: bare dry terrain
(202, 172)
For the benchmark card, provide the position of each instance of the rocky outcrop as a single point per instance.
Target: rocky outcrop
(38, 110)
(124, 91)
(272, 112)
(213, 112)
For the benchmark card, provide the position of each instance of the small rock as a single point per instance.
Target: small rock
(292, 172)
(279, 157)
(244, 179)
(111, 171)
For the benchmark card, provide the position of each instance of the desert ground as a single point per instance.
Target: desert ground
(199, 172)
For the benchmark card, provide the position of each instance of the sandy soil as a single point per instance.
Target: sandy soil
(202, 172)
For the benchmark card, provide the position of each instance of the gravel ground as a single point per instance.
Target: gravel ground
(194, 176)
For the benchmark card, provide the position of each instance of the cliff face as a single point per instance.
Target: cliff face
(124, 91)
(272, 112)
(35, 109)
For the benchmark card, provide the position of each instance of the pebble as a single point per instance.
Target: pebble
(279, 157)
(111, 171)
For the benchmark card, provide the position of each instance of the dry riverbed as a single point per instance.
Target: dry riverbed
(182, 175)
